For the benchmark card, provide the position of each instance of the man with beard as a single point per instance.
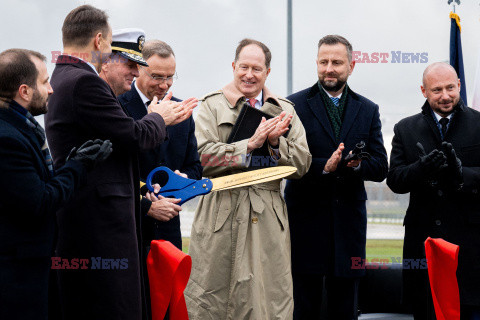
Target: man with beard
(326, 208)
(31, 191)
(102, 222)
(436, 157)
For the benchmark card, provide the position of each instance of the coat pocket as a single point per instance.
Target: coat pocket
(223, 210)
(280, 209)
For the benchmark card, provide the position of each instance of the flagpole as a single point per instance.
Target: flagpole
(456, 55)
(289, 48)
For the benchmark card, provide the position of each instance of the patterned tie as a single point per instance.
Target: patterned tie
(252, 102)
(335, 101)
(444, 124)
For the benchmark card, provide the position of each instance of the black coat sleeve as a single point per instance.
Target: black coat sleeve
(402, 177)
(24, 189)
(100, 112)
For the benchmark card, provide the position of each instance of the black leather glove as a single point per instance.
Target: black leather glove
(455, 171)
(433, 162)
(91, 153)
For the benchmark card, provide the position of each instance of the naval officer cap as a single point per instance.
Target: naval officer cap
(129, 43)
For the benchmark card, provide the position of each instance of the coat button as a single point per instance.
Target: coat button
(440, 193)
(438, 222)
(254, 220)
(474, 191)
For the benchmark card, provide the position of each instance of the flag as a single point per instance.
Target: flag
(456, 56)
(476, 87)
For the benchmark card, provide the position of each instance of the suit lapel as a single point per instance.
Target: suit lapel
(428, 117)
(351, 110)
(135, 107)
(315, 103)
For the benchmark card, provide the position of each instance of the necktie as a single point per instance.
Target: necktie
(252, 102)
(444, 123)
(335, 101)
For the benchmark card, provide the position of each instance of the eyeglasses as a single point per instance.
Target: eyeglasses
(159, 79)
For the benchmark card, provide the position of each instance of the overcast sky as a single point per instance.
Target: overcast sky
(204, 34)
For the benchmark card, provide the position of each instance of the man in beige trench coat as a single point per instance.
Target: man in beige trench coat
(240, 242)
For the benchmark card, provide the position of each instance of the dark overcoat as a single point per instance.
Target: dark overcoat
(29, 197)
(327, 212)
(436, 210)
(103, 220)
(178, 152)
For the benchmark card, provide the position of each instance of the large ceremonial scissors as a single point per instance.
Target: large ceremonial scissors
(175, 186)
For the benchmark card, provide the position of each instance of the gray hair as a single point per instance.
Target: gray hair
(157, 47)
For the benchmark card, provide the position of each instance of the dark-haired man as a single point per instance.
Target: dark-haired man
(326, 208)
(240, 240)
(178, 153)
(102, 223)
(30, 190)
(436, 157)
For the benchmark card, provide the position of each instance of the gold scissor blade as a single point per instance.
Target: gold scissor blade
(252, 177)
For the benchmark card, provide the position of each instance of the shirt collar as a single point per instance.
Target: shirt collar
(330, 96)
(140, 93)
(91, 65)
(259, 99)
(438, 117)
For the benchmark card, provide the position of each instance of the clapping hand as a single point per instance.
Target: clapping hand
(454, 170)
(433, 162)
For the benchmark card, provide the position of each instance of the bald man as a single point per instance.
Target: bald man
(436, 157)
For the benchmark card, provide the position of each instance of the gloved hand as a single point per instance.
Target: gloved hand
(433, 162)
(91, 153)
(454, 170)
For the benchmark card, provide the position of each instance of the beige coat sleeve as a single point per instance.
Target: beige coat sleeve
(217, 156)
(294, 149)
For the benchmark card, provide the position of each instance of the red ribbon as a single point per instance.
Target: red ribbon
(168, 273)
(442, 262)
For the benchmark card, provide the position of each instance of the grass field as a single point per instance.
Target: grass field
(376, 249)
(384, 249)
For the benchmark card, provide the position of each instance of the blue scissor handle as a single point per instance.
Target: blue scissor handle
(179, 187)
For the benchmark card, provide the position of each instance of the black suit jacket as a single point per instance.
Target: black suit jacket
(103, 220)
(327, 213)
(178, 152)
(436, 210)
(29, 198)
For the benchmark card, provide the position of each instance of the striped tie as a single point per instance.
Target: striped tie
(252, 102)
(335, 101)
